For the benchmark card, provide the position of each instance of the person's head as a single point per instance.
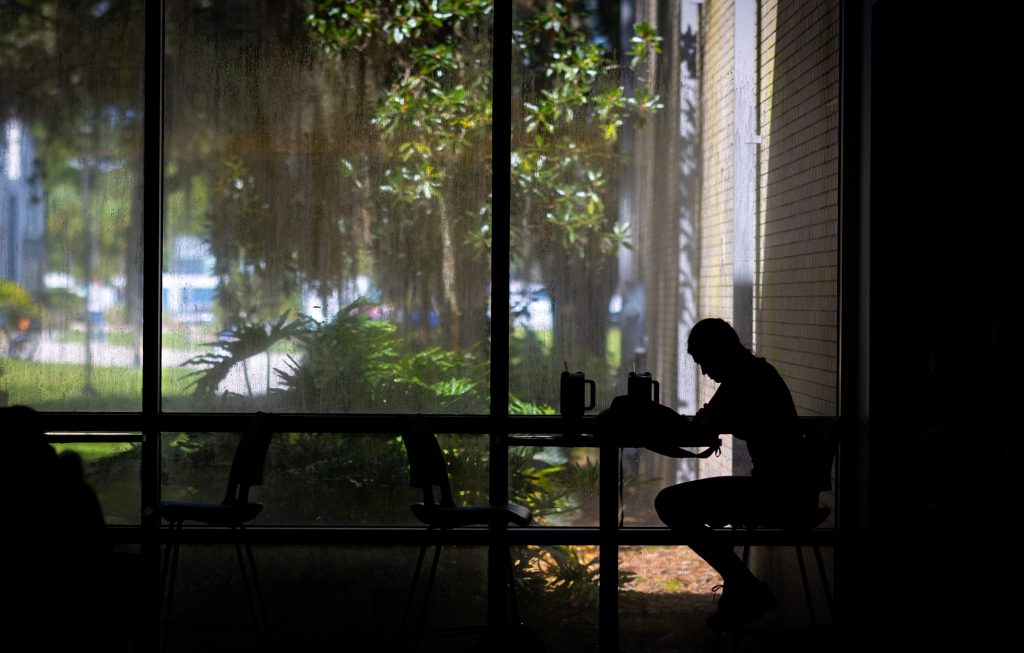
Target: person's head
(70, 466)
(30, 461)
(23, 436)
(716, 347)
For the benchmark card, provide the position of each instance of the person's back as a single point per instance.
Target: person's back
(754, 405)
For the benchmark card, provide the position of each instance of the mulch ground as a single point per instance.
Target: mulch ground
(665, 606)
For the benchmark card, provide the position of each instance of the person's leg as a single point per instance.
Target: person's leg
(696, 508)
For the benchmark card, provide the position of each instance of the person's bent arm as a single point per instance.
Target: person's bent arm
(685, 433)
(650, 425)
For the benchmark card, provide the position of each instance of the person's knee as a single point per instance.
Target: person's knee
(667, 505)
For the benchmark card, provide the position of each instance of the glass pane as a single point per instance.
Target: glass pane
(352, 597)
(322, 478)
(71, 205)
(357, 594)
(576, 104)
(327, 197)
(558, 484)
(558, 595)
(625, 232)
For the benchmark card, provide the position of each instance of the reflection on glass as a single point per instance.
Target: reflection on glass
(112, 471)
(327, 201)
(71, 205)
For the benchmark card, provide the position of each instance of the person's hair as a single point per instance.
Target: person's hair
(713, 335)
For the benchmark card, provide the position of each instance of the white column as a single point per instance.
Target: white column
(745, 139)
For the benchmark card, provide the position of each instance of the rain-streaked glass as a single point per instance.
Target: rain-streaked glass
(327, 209)
(71, 205)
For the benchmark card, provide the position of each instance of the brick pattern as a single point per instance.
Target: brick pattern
(795, 289)
(795, 292)
(715, 228)
(796, 284)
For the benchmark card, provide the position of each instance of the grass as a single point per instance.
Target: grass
(184, 338)
(62, 386)
(93, 451)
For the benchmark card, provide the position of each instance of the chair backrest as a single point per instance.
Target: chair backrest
(247, 465)
(428, 469)
(821, 434)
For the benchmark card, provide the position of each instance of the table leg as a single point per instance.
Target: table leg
(608, 593)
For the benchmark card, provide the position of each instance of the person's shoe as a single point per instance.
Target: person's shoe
(740, 606)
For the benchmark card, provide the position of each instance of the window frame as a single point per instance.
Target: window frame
(151, 421)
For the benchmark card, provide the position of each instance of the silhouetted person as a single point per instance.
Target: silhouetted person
(29, 491)
(80, 515)
(753, 404)
(58, 556)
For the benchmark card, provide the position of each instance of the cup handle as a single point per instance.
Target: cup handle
(657, 392)
(593, 394)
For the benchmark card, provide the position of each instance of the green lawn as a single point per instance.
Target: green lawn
(62, 386)
(188, 340)
(93, 451)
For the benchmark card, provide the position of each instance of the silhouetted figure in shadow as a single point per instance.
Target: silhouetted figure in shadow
(29, 488)
(57, 554)
(753, 404)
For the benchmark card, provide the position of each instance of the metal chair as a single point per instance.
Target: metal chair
(428, 471)
(821, 437)
(234, 511)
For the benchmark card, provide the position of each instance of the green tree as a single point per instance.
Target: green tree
(431, 130)
(73, 71)
(425, 163)
(571, 100)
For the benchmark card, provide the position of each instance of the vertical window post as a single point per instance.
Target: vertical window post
(152, 275)
(501, 129)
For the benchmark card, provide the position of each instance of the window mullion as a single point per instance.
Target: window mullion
(152, 258)
(501, 129)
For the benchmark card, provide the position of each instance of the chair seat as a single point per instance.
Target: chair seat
(811, 519)
(221, 514)
(456, 516)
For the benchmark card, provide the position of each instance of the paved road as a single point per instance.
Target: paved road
(104, 355)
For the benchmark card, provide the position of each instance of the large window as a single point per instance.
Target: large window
(352, 212)
(71, 218)
(326, 202)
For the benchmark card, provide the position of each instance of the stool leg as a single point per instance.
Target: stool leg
(260, 603)
(412, 593)
(171, 571)
(430, 586)
(168, 576)
(165, 576)
(824, 580)
(807, 585)
(513, 605)
(243, 570)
